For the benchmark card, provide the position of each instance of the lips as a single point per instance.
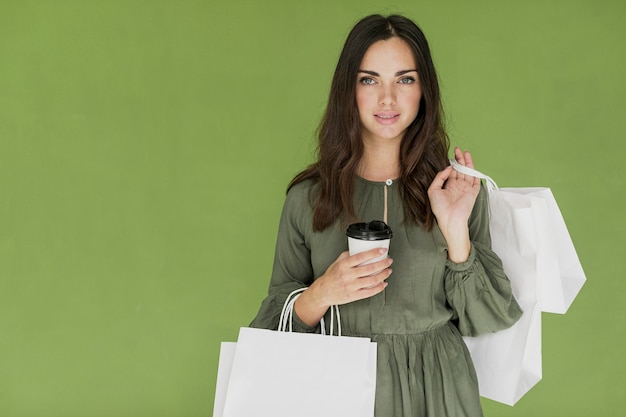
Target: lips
(387, 118)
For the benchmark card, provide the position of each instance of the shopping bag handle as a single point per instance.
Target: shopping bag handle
(491, 184)
(286, 315)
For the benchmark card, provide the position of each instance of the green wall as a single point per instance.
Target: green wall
(145, 147)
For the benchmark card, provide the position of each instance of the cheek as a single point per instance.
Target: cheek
(414, 99)
(361, 97)
(362, 102)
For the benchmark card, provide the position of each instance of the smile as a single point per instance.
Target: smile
(387, 118)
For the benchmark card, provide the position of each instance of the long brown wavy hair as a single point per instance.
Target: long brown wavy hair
(424, 147)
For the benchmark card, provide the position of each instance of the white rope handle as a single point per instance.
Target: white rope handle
(491, 184)
(285, 322)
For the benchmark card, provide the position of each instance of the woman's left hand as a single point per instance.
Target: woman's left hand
(452, 196)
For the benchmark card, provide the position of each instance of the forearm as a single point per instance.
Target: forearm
(458, 241)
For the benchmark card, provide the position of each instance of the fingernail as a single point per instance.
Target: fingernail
(382, 250)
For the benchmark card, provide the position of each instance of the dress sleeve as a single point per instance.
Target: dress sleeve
(292, 261)
(478, 290)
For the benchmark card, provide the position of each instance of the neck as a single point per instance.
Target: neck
(379, 162)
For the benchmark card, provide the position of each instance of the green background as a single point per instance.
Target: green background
(145, 147)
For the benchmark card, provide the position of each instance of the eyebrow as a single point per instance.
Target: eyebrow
(399, 73)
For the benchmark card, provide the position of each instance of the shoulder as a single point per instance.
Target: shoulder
(297, 213)
(298, 206)
(302, 194)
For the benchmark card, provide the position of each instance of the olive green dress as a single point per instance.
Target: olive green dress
(424, 368)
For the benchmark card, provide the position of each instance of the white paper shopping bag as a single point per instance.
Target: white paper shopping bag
(280, 373)
(508, 363)
(529, 234)
(227, 353)
(565, 280)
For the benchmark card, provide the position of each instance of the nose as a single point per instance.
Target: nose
(387, 95)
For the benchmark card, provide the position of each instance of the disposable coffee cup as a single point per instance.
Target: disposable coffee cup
(366, 236)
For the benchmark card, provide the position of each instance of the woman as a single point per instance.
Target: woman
(383, 154)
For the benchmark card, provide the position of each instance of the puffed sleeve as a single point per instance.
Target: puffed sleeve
(478, 290)
(292, 268)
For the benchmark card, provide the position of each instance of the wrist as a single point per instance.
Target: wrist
(459, 254)
(309, 307)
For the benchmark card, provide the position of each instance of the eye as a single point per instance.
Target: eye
(367, 81)
(406, 80)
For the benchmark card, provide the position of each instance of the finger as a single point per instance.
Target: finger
(375, 279)
(458, 155)
(374, 268)
(359, 258)
(441, 178)
(372, 291)
(469, 161)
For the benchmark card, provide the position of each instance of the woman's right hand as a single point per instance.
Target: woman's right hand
(346, 280)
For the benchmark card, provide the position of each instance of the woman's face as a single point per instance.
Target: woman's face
(388, 91)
